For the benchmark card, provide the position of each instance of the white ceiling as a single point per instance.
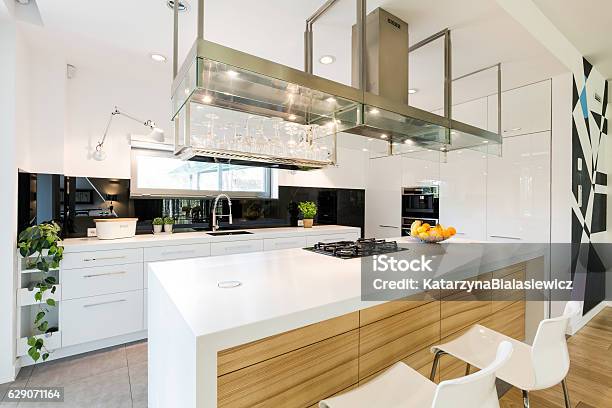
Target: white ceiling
(587, 25)
(119, 35)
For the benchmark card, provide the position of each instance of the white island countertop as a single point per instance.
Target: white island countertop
(197, 237)
(280, 291)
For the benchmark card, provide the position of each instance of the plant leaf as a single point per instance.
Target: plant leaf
(39, 316)
(51, 302)
(38, 296)
(31, 341)
(45, 356)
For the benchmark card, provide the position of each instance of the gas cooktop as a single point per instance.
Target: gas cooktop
(356, 249)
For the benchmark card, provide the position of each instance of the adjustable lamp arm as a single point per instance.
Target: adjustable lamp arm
(116, 111)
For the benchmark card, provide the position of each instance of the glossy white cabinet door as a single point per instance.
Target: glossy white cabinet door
(473, 112)
(518, 190)
(524, 110)
(463, 193)
(383, 198)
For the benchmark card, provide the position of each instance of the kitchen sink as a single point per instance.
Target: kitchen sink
(229, 233)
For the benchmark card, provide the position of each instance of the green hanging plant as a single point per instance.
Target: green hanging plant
(41, 248)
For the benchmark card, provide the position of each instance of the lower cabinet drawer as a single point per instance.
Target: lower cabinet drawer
(167, 253)
(74, 260)
(271, 244)
(99, 317)
(101, 280)
(310, 241)
(236, 247)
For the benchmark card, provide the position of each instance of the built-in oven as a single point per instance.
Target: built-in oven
(419, 203)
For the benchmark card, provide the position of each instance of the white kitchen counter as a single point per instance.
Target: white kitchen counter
(191, 318)
(151, 240)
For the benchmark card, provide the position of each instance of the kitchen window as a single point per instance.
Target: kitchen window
(161, 174)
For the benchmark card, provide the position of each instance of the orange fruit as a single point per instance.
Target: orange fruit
(426, 226)
(452, 231)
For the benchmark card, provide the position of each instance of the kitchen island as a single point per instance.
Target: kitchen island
(296, 329)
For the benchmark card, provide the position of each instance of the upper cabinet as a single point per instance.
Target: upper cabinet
(518, 190)
(473, 113)
(524, 110)
(383, 198)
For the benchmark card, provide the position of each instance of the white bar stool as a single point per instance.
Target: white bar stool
(402, 387)
(530, 368)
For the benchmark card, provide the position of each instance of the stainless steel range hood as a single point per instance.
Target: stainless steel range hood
(234, 107)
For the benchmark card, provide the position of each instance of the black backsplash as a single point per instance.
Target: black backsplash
(42, 197)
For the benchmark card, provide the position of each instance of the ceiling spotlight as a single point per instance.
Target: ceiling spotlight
(364, 149)
(292, 117)
(330, 100)
(413, 91)
(374, 111)
(327, 59)
(158, 57)
(485, 141)
(207, 99)
(384, 136)
(182, 5)
(232, 74)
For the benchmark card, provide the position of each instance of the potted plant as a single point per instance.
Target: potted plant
(308, 210)
(158, 224)
(168, 223)
(40, 246)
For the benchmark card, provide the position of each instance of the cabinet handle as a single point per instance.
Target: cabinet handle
(239, 247)
(105, 274)
(108, 258)
(505, 237)
(105, 303)
(388, 226)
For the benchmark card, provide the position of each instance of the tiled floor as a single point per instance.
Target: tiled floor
(110, 378)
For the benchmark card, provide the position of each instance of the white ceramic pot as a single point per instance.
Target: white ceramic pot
(157, 229)
(167, 227)
(114, 228)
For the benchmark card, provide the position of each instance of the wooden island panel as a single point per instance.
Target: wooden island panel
(300, 367)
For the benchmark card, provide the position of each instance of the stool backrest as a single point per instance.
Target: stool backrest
(549, 352)
(474, 390)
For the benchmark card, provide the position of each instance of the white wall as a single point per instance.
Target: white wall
(8, 190)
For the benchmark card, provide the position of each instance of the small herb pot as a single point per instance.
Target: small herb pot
(308, 223)
(157, 229)
(167, 227)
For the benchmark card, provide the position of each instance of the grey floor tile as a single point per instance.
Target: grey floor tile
(20, 381)
(136, 352)
(110, 389)
(138, 383)
(67, 370)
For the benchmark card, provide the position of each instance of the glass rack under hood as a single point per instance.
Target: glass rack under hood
(235, 107)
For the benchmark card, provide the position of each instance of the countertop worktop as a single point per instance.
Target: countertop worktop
(152, 240)
(294, 286)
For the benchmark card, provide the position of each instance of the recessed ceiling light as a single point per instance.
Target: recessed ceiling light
(413, 91)
(292, 117)
(182, 5)
(485, 141)
(207, 99)
(330, 100)
(374, 111)
(327, 59)
(364, 149)
(384, 136)
(158, 57)
(232, 74)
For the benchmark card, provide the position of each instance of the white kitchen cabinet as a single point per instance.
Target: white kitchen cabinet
(463, 193)
(99, 317)
(518, 190)
(473, 112)
(236, 247)
(166, 253)
(90, 259)
(100, 280)
(524, 110)
(271, 244)
(313, 239)
(383, 198)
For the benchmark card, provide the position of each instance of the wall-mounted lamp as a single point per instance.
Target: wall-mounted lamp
(156, 133)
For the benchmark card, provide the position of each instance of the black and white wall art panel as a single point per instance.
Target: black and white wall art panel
(589, 181)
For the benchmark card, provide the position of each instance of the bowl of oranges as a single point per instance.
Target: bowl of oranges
(426, 233)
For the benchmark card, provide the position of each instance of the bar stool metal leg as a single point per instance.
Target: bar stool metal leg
(566, 394)
(525, 399)
(436, 361)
